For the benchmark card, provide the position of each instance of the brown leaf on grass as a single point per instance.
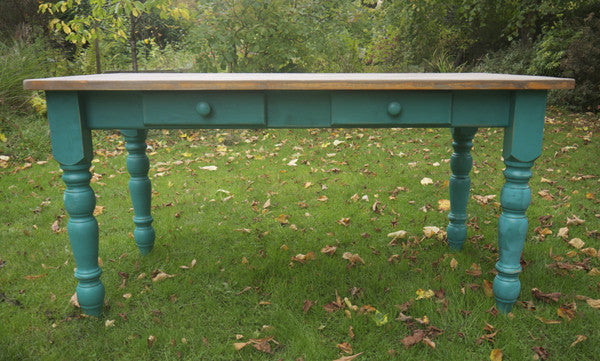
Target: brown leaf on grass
(73, 300)
(548, 322)
(345, 347)
(261, 344)
(240, 345)
(403, 318)
(594, 272)
(574, 221)
(541, 352)
(487, 337)
(334, 305)
(430, 231)
(474, 271)
(282, 219)
(303, 258)
(577, 243)
(496, 355)
(329, 250)
(192, 264)
(413, 339)
(546, 195)
(483, 200)
(546, 297)
(444, 205)
(307, 305)
(453, 264)
(243, 230)
(349, 358)
(427, 341)
(563, 232)
(488, 288)
(322, 198)
(55, 227)
(34, 277)
(566, 313)
(160, 276)
(589, 251)
(353, 258)
(351, 332)
(344, 221)
(593, 303)
(579, 339)
(151, 340)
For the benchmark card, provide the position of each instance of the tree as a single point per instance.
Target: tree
(95, 20)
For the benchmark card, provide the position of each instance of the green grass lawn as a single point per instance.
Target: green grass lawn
(245, 221)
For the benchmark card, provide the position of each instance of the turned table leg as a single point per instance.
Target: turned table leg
(140, 188)
(522, 146)
(80, 202)
(512, 229)
(461, 163)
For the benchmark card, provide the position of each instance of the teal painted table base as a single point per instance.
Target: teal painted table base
(460, 102)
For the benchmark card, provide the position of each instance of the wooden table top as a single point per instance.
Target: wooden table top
(299, 81)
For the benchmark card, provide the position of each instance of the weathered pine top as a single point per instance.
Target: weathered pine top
(299, 81)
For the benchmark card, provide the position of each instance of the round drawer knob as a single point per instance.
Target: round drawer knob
(394, 108)
(203, 108)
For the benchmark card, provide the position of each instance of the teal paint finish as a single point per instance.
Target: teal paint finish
(113, 109)
(140, 188)
(523, 137)
(69, 134)
(370, 108)
(79, 202)
(480, 108)
(230, 109)
(72, 115)
(461, 163)
(298, 109)
(512, 229)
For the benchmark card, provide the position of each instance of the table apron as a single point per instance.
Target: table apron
(296, 109)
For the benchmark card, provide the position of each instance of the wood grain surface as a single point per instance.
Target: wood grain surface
(299, 81)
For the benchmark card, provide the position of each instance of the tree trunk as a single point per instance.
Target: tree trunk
(97, 51)
(133, 44)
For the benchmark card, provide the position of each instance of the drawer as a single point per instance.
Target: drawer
(390, 109)
(204, 109)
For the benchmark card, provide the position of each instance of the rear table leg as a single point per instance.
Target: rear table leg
(461, 163)
(140, 188)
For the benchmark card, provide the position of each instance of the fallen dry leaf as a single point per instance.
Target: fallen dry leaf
(474, 271)
(345, 347)
(546, 297)
(541, 353)
(579, 339)
(563, 232)
(430, 231)
(307, 305)
(496, 355)
(444, 204)
(349, 358)
(34, 277)
(344, 221)
(192, 264)
(353, 258)
(575, 221)
(488, 288)
(151, 340)
(303, 258)
(428, 342)
(413, 339)
(73, 301)
(397, 234)
(322, 198)
(577, 243)
(548, 322)
(109, 323)
(161, 276)
(453, 264)
(422, 294)
(329, 250)
(425, 181)
(566, 313)
(593, 303)
(283, 219)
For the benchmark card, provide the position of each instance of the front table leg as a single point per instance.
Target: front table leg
(140, 188)
(512, 229)
(80, 202)
(461, 163)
